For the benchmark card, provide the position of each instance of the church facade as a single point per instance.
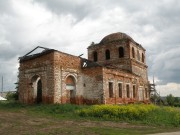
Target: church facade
(114, 73)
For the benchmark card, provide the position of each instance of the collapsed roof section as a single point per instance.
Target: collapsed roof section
(85, 63)
(30, 54)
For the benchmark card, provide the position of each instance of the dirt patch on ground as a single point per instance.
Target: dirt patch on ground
(22, 123)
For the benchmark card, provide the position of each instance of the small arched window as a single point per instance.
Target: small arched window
(138, 55)
(95, 56)
(121, 52)
(107, 54)
(133, 53)
(142, 57)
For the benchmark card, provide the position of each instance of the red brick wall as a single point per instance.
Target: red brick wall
(111, 75)
(43, 67)
(93, 85)
(122, 63)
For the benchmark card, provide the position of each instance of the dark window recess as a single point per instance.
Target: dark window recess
(133, 53)
(134, 91)
(120, 89)
(127, 90)
(110, 89)
(95, 56)
(39, 91)
(107, 54)
(142, 57)
(146, 92)
(121, 52)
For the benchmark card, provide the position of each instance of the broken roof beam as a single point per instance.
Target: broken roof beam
(35, 49)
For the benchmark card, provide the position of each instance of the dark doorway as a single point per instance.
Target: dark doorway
(39, 92)
(72, 97)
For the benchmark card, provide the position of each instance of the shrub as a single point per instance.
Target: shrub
(131, 112)
(149, 114)
(170, 100)
(12, 96)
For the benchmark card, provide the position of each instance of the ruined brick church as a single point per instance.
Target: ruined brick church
(114, 73)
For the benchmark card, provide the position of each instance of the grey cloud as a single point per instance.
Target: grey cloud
(165, 65)
(79, 9)
(5, 7)
(161, 18)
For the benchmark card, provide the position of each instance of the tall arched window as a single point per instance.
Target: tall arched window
(133, 53)
(111, 89)
(95, 56)
(107, 54)
(142, 57)
(138, 55)
(120, 89)
(134, 91)
(121, 52)
(70, 89)
(127, 91)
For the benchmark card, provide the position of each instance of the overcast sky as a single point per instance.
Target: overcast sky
(71, 25)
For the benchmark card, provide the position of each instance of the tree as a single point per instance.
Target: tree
(177, 102)
(170, 100)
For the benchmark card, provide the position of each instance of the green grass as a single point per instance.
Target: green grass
(139, 113)
(52, 119)
(119, 131)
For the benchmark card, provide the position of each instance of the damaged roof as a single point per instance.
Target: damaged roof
(30, 56)
(85, 63)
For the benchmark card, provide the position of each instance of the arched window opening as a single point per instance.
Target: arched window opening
(138, 55)
(127, 90)
(95, 56)
(120, 89)
(111, 90)
(133, 53)
(70, 83)
(39, 91)
(142, 57)
(107, 54)
(70, 89)
(121, 52)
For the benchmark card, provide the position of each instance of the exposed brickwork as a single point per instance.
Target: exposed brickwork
(119, 79)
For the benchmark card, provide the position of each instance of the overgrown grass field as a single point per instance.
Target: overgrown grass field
(146, 114)
(140, 113)
(168, 118)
